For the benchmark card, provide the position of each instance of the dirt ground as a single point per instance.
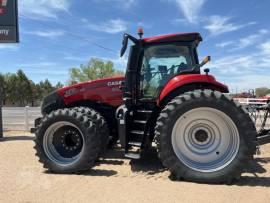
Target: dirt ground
(116, 179)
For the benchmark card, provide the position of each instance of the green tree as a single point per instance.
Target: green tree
(58, 85)
(12, 88)
(18, 90)
(36, 94)
(24, 84)
(46, 87)
(95, 69)
(261, 91)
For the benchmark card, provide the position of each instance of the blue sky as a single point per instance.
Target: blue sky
(56, 35)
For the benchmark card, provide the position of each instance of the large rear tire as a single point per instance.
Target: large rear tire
(67, 141)
(204, 136)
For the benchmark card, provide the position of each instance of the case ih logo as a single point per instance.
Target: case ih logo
(3, 4)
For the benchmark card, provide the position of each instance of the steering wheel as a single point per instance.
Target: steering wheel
(182, 67)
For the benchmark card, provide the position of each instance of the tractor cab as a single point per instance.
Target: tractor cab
(154, 61)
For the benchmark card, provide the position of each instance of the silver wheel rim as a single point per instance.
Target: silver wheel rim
(54, 151)
(205, 139)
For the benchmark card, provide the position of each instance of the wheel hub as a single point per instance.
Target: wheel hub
(201, 136)
(70, 140)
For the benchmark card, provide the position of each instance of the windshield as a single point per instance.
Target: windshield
(160, 63)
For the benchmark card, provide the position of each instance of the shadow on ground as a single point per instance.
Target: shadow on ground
(91, 172)
(17, 138)
(256, 168)
(149, 162)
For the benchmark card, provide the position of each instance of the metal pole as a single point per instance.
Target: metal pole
(1, 120)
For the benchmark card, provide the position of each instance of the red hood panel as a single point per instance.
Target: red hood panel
(106, 91)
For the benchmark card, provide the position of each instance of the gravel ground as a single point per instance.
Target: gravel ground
(116, 179)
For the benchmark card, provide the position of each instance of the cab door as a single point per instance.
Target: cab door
(160, 63)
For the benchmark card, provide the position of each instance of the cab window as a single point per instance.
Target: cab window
(160, 63)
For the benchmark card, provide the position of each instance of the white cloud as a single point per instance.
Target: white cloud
(220, 24)
(224, 44)
(76, 58)
(46, 73)
(120, 3)
(245, 41)
(234, 64)
(11, 47)
(43, 8)
(44, 69)
(178, 21)
(190, 8)
(119, 62)
(248, 81)
(265, 48)
(47, 34)
(244, 70)
(251, 39)
(144, 25)
(112, 26)
(37, 64)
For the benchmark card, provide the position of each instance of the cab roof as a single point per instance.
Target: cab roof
(178, 37)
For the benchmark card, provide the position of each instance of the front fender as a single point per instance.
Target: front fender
(180, 81)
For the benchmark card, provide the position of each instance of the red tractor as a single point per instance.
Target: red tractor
(201, 135)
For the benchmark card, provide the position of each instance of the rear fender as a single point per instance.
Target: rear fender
(185, 83)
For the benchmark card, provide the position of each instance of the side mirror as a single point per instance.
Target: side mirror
(205, 61)
(124, 45)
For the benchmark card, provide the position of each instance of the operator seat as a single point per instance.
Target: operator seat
(164, 74)
(182, 67)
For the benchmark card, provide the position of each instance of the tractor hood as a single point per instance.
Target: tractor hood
(107, 91)
(104, 91)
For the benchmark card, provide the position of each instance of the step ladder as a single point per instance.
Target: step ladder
(137, 132)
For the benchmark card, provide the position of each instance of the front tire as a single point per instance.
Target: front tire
(67, 142)
(100, 123)
(203, 136)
